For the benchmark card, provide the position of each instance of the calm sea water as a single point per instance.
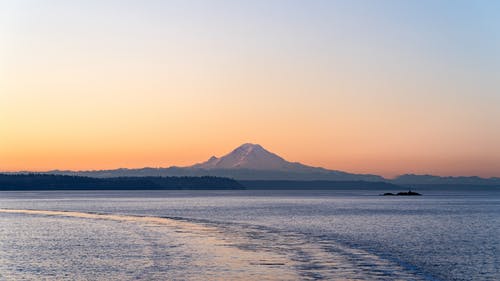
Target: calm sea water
(249, 235)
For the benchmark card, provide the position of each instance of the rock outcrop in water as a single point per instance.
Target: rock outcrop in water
(409, 193)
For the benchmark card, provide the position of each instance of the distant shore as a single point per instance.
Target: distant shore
(33, 181)
(60, 182)
(19, 182)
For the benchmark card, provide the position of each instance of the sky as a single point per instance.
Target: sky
(385, 87)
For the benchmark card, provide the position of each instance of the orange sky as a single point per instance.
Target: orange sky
(172, 84)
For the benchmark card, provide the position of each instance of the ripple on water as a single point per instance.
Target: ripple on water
(62, 245)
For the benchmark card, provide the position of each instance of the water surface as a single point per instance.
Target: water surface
(249, 235)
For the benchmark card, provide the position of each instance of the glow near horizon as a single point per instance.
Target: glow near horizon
(384, 87)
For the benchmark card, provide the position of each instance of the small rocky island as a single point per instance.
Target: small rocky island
(409, 193)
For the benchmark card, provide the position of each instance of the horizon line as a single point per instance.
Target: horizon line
(173, 166)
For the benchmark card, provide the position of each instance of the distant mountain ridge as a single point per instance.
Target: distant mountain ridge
(409, 179)
(253, 162)
(246, 162)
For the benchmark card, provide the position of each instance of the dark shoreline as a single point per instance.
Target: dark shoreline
(48, 182)
(38, 182)
(32, 182)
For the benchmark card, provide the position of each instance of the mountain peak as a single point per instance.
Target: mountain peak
(249, 144)
(252, 161)
(248, 161)
(246, 156)
(249, 148)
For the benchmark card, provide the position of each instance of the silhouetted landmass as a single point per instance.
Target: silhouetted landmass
(259, 168)
(443, 182)
(453, 187)
(35, 181)
(408, 193)
(319, 184)
(248, 175)
(61, 182)
(246, 162)
(238, 174)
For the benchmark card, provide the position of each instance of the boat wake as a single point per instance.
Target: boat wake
(190, 249)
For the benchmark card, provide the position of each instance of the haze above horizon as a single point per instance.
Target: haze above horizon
(379, 87)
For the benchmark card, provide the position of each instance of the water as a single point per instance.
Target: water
(249, 235)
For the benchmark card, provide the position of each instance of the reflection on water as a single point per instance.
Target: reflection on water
(286, 235)
(76, 245)
(197, 253)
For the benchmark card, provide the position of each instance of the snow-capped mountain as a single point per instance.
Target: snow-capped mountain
(249, 156)
(252, 161)
(246, 162)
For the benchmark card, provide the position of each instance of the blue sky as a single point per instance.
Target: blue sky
(373, 86)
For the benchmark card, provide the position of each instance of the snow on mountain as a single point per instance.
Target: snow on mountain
(252, 157)
(247, 162)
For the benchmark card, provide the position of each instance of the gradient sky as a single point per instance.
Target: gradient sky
(385, 87)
